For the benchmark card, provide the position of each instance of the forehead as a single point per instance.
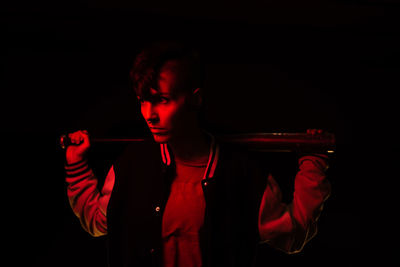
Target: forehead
(170, 79)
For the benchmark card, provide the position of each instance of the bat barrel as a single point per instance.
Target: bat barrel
(284, 142)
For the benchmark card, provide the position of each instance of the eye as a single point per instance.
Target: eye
(163, 100)
(140, 100)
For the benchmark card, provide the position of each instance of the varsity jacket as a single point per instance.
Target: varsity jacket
(243, 204)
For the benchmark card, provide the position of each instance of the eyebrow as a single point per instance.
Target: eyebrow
(158, 94)
(164, 94)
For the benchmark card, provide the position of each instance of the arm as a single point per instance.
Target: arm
(87, 202)
(290, 227)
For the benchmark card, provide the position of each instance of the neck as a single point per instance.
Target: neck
(192, 146)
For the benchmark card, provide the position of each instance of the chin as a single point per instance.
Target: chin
(161, 138)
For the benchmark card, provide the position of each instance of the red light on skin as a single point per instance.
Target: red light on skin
(158, 131)
(168, 110)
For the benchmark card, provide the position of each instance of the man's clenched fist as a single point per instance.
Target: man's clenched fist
(78, 147)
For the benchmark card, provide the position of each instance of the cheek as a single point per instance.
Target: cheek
(141, 111)
(174, 115)
(167, 115)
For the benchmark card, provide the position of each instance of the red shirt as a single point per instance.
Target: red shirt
(184, 216)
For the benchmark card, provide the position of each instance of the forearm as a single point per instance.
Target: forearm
(312, 188)
(86, 201)
(289, 227)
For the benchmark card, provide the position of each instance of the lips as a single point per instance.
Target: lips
(158, 131)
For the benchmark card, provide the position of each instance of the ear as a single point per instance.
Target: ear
(197, 97)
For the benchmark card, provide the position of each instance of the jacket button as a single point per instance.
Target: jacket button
(205, 183)
(158, 209)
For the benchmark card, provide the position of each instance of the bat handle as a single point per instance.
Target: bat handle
(64, 141)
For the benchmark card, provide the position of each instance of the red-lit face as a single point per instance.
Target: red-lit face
(168, 111)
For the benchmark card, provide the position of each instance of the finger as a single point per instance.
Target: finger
(73, 140)
(311, 131)
(71, 137)
(75, 137)
(85, 136)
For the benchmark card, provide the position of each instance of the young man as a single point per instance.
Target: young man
(185, 198)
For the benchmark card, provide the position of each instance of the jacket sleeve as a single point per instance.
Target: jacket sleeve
(289, 227)
(87, 202)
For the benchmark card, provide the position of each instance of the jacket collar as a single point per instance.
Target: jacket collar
(212, 158)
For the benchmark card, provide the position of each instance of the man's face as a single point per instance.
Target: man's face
(167, 110)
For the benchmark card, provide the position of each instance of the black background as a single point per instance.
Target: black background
(272, 67)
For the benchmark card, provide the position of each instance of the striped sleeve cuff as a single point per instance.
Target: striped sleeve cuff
(77, 169)
(78, 163)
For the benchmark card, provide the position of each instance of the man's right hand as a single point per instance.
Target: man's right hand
(78, 147)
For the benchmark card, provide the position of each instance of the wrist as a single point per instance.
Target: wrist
(74, 160)
(321, 161)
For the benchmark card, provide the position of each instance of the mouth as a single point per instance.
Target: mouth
(158, 131)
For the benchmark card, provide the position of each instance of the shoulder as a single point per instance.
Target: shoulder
(139, 152)
(238, 164)
(232, 151)
(240, 156)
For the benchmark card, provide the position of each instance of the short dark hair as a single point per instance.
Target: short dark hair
(146, 67)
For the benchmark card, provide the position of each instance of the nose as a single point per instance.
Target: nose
(149, 112)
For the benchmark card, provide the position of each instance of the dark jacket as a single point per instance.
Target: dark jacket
(243, 204)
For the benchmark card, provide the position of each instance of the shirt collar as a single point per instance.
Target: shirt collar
(212, 158)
